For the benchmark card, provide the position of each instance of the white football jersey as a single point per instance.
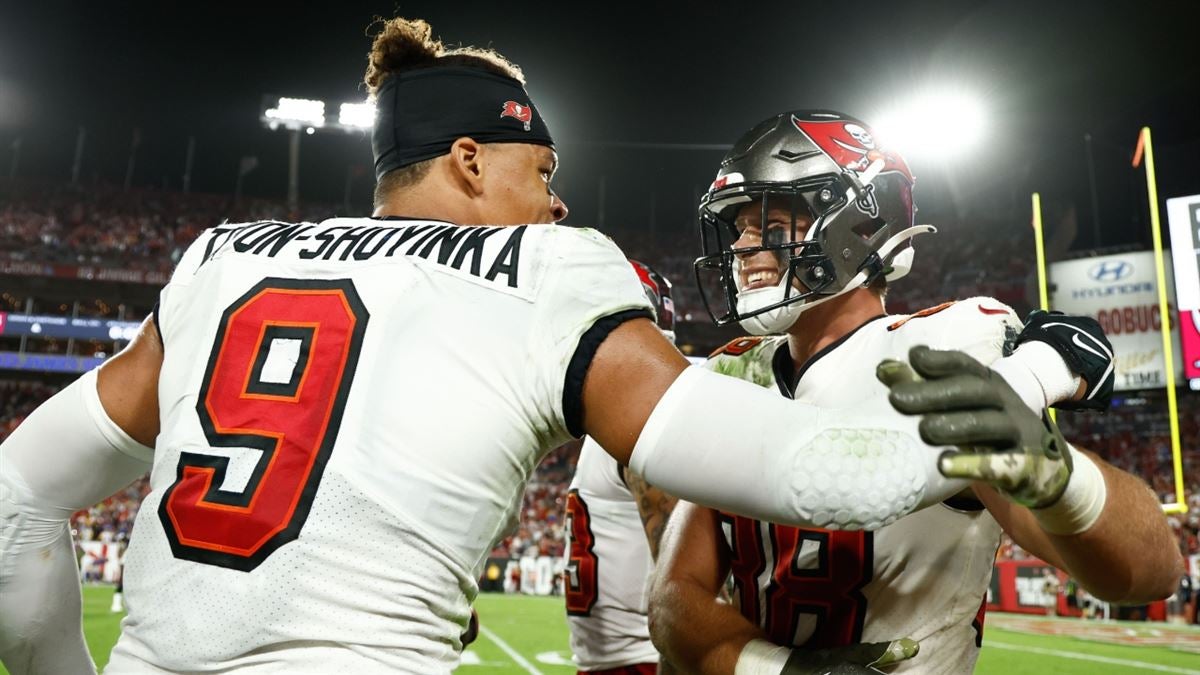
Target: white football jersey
(349, 412)
(608, 567)
(926, 575)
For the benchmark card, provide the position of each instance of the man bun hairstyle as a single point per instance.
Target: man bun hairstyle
(402, 45)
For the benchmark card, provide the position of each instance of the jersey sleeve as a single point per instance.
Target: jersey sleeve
(746, 358)
(191, 260)
(589, 290)
(980, 326)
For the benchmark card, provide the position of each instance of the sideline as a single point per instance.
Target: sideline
(1142, 665)
(532, 670)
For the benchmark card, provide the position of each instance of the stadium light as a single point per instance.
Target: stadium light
(938, 124)
(294, 113)
(356, 115)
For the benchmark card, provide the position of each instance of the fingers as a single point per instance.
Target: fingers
(974, 427)
(1005, 470)
(892, 372)
(852, 659)
(936, 363)
(896, 651)
(957, 392)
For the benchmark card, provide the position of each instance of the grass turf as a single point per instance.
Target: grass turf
(526, 634)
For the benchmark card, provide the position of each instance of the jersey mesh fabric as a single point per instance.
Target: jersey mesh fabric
(456, 397)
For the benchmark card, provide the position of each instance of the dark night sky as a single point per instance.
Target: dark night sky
(606, 74)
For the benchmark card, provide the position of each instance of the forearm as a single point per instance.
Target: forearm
(1129, 555)
(40, 629)
(695, 631)
(783, 461)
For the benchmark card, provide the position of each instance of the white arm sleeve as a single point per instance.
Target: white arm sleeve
(66, 456)
(728, 444)
(1038, 374)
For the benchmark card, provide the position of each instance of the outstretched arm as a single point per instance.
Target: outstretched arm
(1128, 556)
(77, 448)
(649, 410)
(1098, 523)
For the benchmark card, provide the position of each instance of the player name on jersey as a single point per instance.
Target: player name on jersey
(466, 249)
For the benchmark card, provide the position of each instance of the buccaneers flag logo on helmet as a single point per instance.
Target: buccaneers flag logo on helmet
(521, 113)
(851, 145)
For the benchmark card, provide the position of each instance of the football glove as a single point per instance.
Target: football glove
(862, 659)
(1081, 343)
(1000, 440)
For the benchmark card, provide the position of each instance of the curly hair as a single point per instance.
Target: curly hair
(408, 44)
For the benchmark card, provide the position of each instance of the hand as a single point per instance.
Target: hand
(1081, 343)
(1000, 440)
(862, 659)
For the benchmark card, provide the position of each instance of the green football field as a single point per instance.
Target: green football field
(522, 634)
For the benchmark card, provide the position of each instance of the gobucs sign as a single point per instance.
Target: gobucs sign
(1121, 292)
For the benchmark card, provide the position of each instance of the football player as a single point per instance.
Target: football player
(615, 520)
(339, 417)
(809, 219)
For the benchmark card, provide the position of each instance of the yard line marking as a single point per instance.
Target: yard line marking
(1090, 657)
(529, 667)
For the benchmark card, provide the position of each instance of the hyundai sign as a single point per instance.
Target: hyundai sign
(1120, 292)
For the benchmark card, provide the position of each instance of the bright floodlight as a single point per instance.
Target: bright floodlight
(357, 115)
(937, 125)
(297, 112)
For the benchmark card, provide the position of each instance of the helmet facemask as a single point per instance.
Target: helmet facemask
(857, 197)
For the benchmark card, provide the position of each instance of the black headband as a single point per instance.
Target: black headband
(420, 113)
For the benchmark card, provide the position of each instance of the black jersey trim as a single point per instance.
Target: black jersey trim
(158, 327)
(783, 364)
(581, 361)
(960, 503)
(411, 218)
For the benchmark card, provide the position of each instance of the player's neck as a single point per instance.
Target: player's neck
(427, 203)
(828, 322)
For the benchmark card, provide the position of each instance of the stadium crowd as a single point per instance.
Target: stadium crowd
(149, 229)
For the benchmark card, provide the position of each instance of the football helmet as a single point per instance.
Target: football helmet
(658, 291)
(826, 167)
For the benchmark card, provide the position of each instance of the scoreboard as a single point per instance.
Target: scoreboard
(1183, 216)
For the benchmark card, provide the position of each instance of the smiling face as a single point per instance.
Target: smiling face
(761, 269)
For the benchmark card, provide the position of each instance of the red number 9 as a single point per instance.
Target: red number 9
(253, 396)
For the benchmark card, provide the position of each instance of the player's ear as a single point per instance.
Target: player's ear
(466, 163)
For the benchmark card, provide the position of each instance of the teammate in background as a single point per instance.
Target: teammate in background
(614, 521)
(807, 223)
(340, 416)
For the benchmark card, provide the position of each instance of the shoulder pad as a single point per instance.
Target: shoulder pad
(980, 326)
(737, 347)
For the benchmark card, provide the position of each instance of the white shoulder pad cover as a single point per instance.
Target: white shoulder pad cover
(588, 278)
(978, 326)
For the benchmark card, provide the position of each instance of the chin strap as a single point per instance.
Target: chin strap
(782, 318)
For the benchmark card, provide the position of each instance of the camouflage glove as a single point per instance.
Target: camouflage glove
(863, 659)
(1000, 440)
(1081, 343)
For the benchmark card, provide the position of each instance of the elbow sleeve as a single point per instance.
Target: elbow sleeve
(734, 446)
(68, 454)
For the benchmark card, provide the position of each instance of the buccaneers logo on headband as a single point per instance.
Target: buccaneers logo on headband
(521, 113)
